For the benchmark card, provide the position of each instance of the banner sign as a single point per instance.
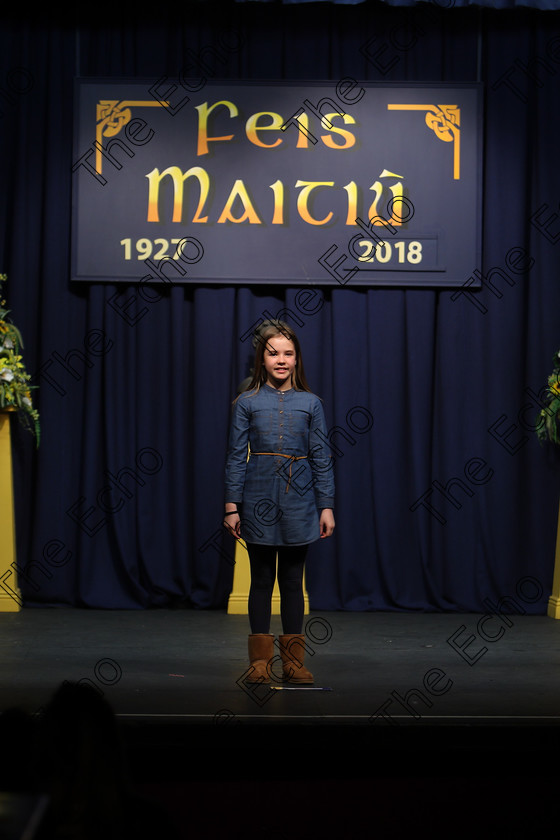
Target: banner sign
(333, 184)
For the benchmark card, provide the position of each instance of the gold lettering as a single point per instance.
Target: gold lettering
(352, 214)
(176, 174)
(303, 199)
(239, 191)
(203, 113)
(252, 128)
(278, 189)
(349, 137)
(397, 190)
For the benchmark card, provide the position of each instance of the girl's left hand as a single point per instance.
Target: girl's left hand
(326, 523)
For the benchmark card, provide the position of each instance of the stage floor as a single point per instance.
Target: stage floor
(188, 666)
(373, 671)
(482, 734)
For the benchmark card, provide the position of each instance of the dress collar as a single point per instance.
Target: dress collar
(278, 390)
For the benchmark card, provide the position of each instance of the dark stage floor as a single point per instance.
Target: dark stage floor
(187, 667)
(472, 712)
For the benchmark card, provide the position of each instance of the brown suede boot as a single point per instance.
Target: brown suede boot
(292, 651)
(261, 651)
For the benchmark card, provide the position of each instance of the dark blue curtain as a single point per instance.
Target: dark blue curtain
(444, 497)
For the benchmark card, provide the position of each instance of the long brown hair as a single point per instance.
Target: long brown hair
(267, 330)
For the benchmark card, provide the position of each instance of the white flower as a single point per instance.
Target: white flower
(6, 374)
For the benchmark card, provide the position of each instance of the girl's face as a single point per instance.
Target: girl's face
(279, 361)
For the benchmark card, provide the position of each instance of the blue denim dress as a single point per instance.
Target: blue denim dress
(279, 468)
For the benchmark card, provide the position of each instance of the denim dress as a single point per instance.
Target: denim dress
(279, 469)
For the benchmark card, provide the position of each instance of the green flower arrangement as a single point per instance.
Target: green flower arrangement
(15, 390)
(549, 418)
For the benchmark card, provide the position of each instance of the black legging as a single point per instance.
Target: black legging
(291, 560)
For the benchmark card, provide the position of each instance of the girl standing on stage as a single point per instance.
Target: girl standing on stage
(279, 493)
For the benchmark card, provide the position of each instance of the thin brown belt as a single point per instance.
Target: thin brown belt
(291, 459)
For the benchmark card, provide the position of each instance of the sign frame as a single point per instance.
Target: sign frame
(379, 250)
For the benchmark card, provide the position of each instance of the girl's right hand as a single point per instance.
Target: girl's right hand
(233, 525)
